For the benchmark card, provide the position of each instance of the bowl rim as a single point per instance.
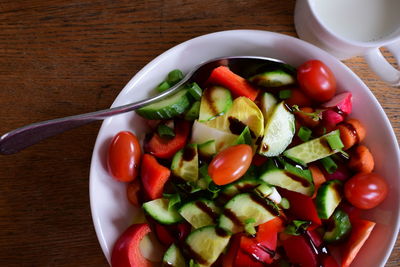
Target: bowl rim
(154, 62)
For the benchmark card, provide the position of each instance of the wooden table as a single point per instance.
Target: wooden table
(59, 58)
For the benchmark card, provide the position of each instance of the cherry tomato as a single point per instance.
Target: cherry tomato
(230, 164)
(366, 190)
(124, 156)
(316, 80)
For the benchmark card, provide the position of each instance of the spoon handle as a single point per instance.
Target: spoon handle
(18, 139)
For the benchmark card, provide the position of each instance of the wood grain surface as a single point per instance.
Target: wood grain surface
(60, 58)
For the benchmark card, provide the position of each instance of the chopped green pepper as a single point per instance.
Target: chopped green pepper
(340, 227)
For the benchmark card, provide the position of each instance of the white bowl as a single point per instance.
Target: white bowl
(112, 213)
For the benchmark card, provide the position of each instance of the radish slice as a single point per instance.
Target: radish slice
(331, 117)
(342, 102)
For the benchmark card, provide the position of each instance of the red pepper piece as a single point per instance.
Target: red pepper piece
(163, 235)
(229, 257)
(165, 148)
(126, 251)
(238, 85)
(154, 176)
(299, 251)
(329, 261)
(301, 206)
(245, 260)
(361, 229)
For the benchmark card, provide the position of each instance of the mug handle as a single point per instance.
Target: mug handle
(381, 66)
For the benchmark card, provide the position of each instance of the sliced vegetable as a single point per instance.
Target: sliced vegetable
(126, 251)
(312, 150)
(174, 77)
(159, 210)
(240, 186)
(361, 160)
(173, 257)
(329, 165)
(351, 132)
(200, 213)
(195, 91)
(230, 164)
(268, 104)
(133, 191)
(185, 163)
(331, 118)
(163, 86)
(164, 131)
(166, 108)
(361, 229)
(215, 101)
(274, 78)
(339, 226)
(202, 133)
(301, 206)
(193, 112)
(304, 133)
(207, 149)
(298, 98)
(299, 251)
(244, 138)
(165, 147)
(153, 176)
(342, 102)
(163, 234)
(291, 178)
(243, 113)
(278, 132)
(328, 198)
(237, 85)
(246, 206)
(207, 243)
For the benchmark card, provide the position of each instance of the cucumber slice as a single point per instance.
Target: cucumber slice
(216, 100)
(243, 112)
(240, 186)
(200, 213)
(206, 244)
(243, 207)
(193, 112)
(202, 133)
(167, 108)
(341, 227)
(207, 149)
(185, 163)
(268, 103)
(328, 198)
(278, 132)
(159, 211)
(312, 150)
(291, 178)
(274, 78)
(173, 257)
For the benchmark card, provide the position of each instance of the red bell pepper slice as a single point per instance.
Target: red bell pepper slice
(301, 206)
(329, 261)
(238, 85)
(126, 251)
(163, 235)
(299, 251)
(165, 148)
(361, 230)
(229, 257)
(243, 259)
(153, 176)
(262, 247)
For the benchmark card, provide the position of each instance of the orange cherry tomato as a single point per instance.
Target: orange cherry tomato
(230, 164)
(124, 155)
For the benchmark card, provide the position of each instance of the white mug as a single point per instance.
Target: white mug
(347, 28)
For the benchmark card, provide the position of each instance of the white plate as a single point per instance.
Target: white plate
(110, 209)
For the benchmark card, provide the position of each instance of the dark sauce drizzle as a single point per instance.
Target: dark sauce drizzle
(206, 209)
(296, 178)
(237, 127)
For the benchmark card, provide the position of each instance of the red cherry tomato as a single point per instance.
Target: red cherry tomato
(366, 190)
(316, 80)
(230, 164)
(124, 157)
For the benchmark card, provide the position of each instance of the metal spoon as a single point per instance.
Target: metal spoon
(26, 136)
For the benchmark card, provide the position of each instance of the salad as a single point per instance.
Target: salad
(264, 170)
